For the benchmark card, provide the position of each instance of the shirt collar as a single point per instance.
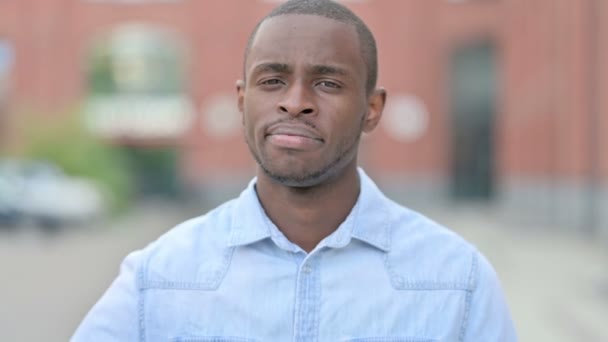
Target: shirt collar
(369, 221)
(372, 215)
(248, 218)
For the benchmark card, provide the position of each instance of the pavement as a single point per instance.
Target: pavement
(556, 282)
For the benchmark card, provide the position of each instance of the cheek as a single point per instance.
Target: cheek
(248, 124)
(254, 107)
(349, 121)
(252, 129)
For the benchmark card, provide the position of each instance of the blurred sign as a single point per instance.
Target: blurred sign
(139, 116)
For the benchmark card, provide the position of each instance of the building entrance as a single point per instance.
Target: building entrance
(473, 100)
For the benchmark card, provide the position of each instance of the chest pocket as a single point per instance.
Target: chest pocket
(391, 339)
(211, 339)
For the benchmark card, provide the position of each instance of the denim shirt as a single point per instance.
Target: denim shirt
(387, 274)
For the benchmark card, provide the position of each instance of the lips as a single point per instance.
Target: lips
(293, 137)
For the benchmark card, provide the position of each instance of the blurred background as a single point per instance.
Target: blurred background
(118, 120)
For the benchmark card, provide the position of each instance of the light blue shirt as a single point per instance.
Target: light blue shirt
(387, 274)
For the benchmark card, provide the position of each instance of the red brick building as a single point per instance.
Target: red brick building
(502, 101)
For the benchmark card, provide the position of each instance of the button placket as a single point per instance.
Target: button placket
(307, 300)
(307, 269)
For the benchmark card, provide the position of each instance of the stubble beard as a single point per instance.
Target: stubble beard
(310, 178)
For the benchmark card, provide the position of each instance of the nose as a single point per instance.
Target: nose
(297, 100)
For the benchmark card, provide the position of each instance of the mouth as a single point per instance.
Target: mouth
(294, 137)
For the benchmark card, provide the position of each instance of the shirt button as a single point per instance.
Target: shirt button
(306, 269)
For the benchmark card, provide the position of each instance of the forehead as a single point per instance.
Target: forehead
(307, 40)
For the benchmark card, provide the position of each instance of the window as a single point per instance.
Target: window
(6, 63)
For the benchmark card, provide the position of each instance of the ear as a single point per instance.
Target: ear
(375, 107)
(240, 93)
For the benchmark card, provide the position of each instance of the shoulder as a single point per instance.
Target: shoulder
(426, 254)
(187, 254)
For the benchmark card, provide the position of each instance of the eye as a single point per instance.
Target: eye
(271, 81)
(329, 84)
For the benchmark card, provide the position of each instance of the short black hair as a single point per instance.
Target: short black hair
(332, 10)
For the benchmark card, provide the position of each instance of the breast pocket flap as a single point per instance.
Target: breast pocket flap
(391, 339)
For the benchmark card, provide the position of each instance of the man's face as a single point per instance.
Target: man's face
(304, 102)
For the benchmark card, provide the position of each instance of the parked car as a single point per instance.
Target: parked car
(10, 192)
(42, 192)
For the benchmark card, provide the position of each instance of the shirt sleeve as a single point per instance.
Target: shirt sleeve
(115, 316)
(487, 318)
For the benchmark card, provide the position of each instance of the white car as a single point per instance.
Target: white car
(50, 197)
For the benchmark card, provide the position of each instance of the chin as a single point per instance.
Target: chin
(296, 178)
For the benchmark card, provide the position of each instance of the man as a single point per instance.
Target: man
(311, 250)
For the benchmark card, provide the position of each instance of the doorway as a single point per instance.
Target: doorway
(473, 85)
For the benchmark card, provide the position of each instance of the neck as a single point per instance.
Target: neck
(308, 215)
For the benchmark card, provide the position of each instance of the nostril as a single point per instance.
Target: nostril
(307, 111)
(283, 109)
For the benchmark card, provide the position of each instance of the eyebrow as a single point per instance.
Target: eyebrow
(286, 69)
(272, 67)
(328, 70)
